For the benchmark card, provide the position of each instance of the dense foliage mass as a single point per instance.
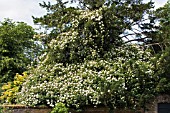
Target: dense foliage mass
(163, 41)
(162, 38)
(89, 58)
(16, 40)
(18, 50)
(121, 79)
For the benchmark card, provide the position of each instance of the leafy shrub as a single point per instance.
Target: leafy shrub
(1, 109)
(105, 81)
(60, 108)
(11, 88)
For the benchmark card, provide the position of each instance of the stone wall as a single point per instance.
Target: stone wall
(153, 106)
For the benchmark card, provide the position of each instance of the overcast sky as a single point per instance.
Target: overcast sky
(23, 10)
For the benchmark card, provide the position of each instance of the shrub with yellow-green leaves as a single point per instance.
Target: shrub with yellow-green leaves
(11, 88)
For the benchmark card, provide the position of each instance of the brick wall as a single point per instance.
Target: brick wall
(24, 109)
(30, 110)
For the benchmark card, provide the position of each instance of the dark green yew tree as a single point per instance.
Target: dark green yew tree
(90, 59)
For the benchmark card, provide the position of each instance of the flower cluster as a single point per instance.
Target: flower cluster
(92, 82)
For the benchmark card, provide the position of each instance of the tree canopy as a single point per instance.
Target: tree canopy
(160, 44)
(16, 48)
(90, 59)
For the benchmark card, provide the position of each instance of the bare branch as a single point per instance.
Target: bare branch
(138, 40)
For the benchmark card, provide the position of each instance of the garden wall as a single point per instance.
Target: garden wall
(24, 109)
(153, 106)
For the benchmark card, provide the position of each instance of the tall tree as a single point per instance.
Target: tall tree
(90, 60)
(16, 48)
(127, 13)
